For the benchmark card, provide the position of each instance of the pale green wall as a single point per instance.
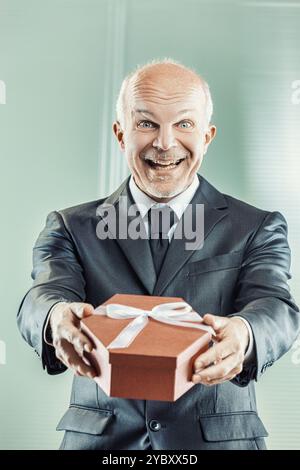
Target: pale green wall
(50, 59)
(63, 62)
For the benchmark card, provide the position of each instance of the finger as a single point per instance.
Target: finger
(85, 359)
(215, 321)
(74, 336)
(65, 360)
(77, 362)
(70, 358)
(77, 373)
(214, 354)
(60, 356)
(71, 335)
(79, 348)
(217, 381)
(230, 376)
(82, 310)
(219, 371)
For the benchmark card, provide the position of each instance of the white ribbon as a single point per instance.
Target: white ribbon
(173, 313)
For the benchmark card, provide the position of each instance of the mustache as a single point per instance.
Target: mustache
(153, 155)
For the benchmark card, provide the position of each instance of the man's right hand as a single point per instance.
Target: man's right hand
(69, 342)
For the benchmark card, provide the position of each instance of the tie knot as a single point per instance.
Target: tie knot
(161, 219)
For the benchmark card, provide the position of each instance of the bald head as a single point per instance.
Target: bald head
(165, 81)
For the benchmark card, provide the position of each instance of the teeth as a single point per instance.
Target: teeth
(164, 163)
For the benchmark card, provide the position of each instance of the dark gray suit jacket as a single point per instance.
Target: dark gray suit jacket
(242, 268)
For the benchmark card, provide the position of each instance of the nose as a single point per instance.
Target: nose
(165, 138)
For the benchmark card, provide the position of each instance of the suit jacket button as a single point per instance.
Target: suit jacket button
(154, 425)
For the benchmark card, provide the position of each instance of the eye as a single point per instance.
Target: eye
(146, 122)
(186, 122)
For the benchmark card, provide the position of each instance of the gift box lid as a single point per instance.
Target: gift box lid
(157, 345)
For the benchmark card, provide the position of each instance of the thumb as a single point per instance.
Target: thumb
(216, 322)
(82, 310)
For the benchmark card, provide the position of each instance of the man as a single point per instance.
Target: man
(237, 280)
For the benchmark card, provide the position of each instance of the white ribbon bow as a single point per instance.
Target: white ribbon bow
(165, 313)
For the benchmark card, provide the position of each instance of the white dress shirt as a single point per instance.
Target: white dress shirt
(177, 203)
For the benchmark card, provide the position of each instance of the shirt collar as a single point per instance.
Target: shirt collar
(177, 203)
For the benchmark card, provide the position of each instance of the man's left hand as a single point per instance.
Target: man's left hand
(224, 360)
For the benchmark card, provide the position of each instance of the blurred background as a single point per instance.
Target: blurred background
(61, 66)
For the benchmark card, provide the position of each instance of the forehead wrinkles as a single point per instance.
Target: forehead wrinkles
(191, 97)
(163, 92)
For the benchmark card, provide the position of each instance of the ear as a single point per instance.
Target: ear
(209, 136)
(119, 133)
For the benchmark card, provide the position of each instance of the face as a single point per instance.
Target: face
(166, 133)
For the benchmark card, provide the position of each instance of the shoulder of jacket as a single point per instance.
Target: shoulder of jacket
(85, 208)
(244, 209)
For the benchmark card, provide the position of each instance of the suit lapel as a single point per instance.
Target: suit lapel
(137, 252)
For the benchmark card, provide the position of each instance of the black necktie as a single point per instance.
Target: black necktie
(161, 219)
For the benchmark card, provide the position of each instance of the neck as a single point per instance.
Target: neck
(161, 199)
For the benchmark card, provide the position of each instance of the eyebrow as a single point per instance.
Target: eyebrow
(145, 111)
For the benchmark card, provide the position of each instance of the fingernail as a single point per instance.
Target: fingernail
(196, 378)
(78, 310)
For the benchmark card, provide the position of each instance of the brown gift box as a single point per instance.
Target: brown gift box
(157, 365)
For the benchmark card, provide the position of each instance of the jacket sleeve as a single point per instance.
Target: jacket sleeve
(263, 296)
(57, 276)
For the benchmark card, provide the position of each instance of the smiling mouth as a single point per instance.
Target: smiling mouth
(164, 165)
